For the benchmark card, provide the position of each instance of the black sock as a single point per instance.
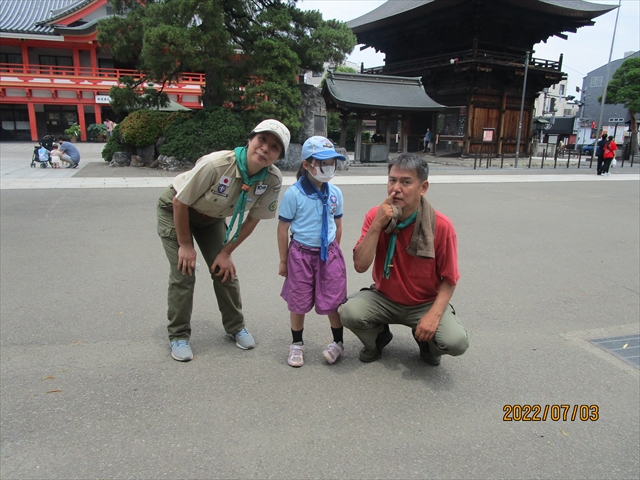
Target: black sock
(337, 334)
(297, 336)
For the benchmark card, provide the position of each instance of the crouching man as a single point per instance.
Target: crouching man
(414, 253)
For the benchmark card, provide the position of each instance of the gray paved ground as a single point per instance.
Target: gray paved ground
(544, 266)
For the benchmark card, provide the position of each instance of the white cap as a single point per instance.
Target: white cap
(277, 128)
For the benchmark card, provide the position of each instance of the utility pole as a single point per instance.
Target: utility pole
(524, 91)
(606, 79)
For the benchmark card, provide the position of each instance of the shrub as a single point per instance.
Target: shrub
(73, 131)
(113, 145)
(209, 130)
(97, 132)
(145, 127)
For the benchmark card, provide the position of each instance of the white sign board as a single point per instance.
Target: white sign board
(103, 99)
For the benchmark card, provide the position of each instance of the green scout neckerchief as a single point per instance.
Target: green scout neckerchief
(392, 242)
(247, 183)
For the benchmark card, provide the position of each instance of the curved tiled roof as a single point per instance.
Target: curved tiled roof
(64, 11)
(378, 92)
(30, 16)
(570, 8)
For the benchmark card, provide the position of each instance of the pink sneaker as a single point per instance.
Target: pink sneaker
(333, 352)
(296, 353)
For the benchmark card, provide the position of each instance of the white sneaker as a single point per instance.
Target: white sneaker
(296, 355)
(333, 352)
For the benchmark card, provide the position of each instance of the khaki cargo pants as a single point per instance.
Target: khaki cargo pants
(209, 235)
(365, 312)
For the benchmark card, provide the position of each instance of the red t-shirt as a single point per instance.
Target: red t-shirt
(415, 280)
(610, 149)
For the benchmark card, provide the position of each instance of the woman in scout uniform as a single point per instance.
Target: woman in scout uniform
(222, 184)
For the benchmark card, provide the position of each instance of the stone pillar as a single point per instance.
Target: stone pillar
(313, 117)
(387, 135)
(356, 157)
(313, 113)
(405, 138)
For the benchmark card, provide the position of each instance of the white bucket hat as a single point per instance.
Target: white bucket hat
(277, 128)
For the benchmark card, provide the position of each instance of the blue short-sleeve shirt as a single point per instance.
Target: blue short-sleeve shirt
(302, 208)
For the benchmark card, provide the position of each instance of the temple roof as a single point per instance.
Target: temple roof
(384, 13)
(378, 92)
(409, 29)
(36, 16)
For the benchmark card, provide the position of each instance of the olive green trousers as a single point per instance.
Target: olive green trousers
(365, 313)
(209, 235)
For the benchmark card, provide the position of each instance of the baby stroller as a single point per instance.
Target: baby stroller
(41, 155)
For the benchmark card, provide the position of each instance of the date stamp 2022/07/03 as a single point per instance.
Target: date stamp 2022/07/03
(537, 413)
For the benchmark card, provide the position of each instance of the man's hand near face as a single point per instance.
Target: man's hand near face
(365, 251)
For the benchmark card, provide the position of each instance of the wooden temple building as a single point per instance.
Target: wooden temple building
(390, 100)
(470, 55)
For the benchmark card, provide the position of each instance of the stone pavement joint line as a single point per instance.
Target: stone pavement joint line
(157, 182)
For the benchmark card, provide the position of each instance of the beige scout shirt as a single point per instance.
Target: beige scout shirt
(213, 187)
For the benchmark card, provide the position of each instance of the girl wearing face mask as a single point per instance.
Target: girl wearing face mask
(312, 262)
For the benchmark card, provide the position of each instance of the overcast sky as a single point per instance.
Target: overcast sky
(584, 51)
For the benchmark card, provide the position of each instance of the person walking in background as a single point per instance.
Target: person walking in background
(427, 140)
(312, 262)
(610, 148)
(109, 124)
(222, 184)
(67, 152)
(600, 153)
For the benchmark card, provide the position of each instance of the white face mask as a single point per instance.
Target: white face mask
(326, 174)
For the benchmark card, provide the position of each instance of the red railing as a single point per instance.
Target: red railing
(115, 74)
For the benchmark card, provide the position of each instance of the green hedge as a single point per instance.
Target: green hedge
(207, 131)
(144, 127)
(113, 144)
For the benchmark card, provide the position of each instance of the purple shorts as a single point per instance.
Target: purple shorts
(311, 281)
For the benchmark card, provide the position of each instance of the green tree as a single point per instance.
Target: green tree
(251, 51)
(624, 88)
(339, 68)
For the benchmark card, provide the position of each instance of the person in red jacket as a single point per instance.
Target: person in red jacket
(609, 154)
